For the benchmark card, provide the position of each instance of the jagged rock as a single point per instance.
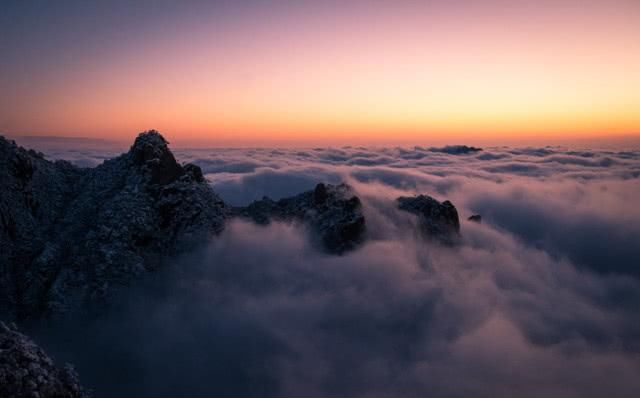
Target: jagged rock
(69, 236)
(475, 218)
(436, 220)
(320, 194)
(33, 197)
(27, 371)
(332, 212)
(150, 152)
(194, 172)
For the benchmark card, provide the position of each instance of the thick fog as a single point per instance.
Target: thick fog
(540, 299)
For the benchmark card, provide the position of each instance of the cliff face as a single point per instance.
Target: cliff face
(438, 221)
(34, 197)
(333, 214)
(70, 236)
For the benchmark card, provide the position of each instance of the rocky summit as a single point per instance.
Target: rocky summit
(70, 236)
(436, 220)
(333, 213)
(27, 371)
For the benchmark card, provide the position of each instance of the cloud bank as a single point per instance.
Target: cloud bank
(540, 299)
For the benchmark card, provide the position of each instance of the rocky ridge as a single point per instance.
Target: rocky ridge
(436, 220)
(333, 213)
(71, 237)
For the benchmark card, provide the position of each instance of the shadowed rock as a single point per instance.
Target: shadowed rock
(333, 214)
(69, 236)
(436, 220)
(151, 153)
(27, 371)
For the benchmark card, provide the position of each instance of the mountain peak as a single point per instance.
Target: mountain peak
(149, 144)
(150, 151)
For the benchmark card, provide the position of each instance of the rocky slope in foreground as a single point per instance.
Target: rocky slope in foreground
(27, 371)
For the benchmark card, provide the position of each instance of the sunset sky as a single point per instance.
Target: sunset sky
(343, 71)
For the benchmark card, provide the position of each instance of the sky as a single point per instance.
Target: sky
(274, 72)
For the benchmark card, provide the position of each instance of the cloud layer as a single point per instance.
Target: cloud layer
(540, 299)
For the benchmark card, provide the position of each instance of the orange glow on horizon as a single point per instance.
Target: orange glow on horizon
(407, 73)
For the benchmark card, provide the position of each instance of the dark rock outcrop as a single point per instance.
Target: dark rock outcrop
(27, 371)
(456, 149)
(333, 213)
(475, 218)
(34, 195)
(436, 220)
(69, 235)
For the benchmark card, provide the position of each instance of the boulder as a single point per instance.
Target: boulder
(436, 220)
(333, 214)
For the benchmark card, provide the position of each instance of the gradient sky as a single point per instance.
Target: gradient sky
(276, 71)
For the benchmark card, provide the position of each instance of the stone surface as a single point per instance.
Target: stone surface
(27, 371)
(333, 214)
(436, 220)
(69, 236)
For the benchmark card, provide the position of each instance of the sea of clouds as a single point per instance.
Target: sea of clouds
(540, 299)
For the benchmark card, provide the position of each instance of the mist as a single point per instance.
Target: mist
(540, 299)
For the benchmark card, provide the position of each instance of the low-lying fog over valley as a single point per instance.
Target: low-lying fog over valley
(538, 296)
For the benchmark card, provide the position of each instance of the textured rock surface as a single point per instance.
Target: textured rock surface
(26, 371)
(436, 220)
(333, 213)
(33, 199)
(69, 236)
